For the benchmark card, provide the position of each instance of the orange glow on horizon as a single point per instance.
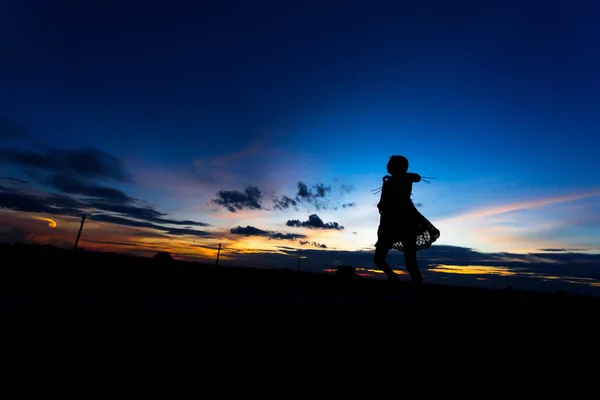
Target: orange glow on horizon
(372, 271)
(473, 270)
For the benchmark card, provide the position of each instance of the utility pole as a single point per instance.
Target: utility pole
(299, 259)
(79, 233)
(218, 252)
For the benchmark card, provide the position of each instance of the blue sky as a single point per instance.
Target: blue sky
(497, 100)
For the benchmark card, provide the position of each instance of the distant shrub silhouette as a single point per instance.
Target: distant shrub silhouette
(163, 257)
(346, 272)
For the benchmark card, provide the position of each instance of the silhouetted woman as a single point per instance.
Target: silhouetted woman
(401, 225)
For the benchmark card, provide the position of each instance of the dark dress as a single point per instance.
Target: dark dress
(400, 221)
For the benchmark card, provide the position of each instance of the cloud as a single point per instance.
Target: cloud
(71, 171)
(577, 264)
(252, 231)
(71, 181)
(251, 198)
(560, 250)
(314, 222)
(317, 196)
(72, 185)
(235, 200)
(249, 162)
(575, 272)
(47, 204)
(149, 225)
(230, 158)
(126, 214)
(76, 172)
(284, 202)
(86, 163)
(15, 181)
(524, 205)
(346, 188)
(315, 244)
(11, 130)
(145, 213)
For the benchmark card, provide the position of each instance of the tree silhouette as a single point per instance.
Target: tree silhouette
(163, 257)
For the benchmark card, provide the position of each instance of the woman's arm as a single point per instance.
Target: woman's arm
(384, 197)
(413, 177)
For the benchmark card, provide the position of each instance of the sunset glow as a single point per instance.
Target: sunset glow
(473, 270)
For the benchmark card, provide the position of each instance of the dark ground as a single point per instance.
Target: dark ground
(46, 289)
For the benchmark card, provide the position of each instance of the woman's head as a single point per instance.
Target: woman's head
(397, 165)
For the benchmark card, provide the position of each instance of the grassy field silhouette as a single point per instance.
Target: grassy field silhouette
(45, 283)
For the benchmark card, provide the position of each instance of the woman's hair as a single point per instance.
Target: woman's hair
(398, 163)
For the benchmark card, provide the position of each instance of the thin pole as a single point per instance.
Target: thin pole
(79, 233)
(218, 252)
(299, 264)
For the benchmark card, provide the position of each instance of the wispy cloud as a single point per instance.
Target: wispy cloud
(518, 206)
(67, 184)
(225, 160)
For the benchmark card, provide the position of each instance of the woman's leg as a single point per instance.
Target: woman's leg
(381, 252)
(410, 260)
(382, 248)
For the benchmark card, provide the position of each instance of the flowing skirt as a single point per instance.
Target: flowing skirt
(409, 225)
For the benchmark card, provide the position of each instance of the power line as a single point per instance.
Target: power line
(79, 233)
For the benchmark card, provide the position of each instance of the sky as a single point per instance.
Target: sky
(265, 126)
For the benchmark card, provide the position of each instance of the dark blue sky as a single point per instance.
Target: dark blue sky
(124, 72)
(496, 99)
